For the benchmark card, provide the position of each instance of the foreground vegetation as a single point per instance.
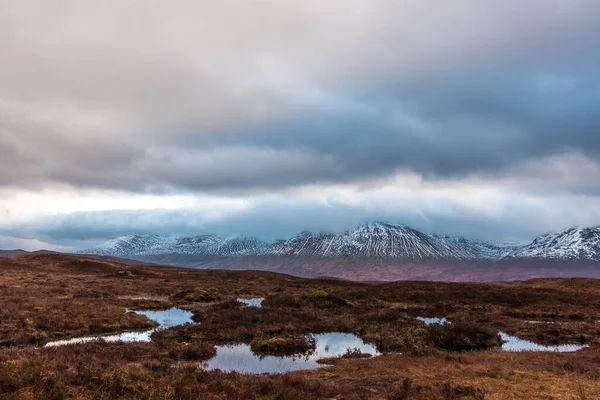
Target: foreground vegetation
(51, 297)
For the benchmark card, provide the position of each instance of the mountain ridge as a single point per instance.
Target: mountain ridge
(380, 239)
(575, 243)
(372, 239)
(153, 244)
(369, 240)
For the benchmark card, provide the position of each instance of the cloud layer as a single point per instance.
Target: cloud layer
(495, 210)
(246, 100)
(228, 95)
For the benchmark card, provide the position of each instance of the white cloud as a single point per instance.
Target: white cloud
(495, 209)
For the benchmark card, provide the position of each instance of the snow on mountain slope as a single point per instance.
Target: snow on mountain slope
(129, 245)
(474, 249)
(569, 244)
(378, 239)
(151, 245)
(371, 240)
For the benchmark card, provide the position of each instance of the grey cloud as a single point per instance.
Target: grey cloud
(34, 152)
(238, 96)
(485, 125)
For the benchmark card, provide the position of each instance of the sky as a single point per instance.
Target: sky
(267, 118)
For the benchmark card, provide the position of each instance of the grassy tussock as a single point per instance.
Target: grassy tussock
(283, 346)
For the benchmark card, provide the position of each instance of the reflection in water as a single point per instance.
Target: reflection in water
(240, 358)
(254, 302)
(430, 321)
(80, 340)
(165, 318)
(169, 318)
(513, 343)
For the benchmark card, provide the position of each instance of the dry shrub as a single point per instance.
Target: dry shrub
(463, 337)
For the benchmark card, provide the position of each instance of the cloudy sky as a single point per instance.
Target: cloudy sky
(470, 117)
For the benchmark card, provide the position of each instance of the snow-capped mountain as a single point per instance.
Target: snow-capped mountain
(475, 249)
(569, 244)
(156, 245)
(374, 251)
(375, 240)
(378, 239)
(132, 244)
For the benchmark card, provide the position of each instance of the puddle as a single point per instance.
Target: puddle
(169, 318)
(240, 358)
(149, 298)
(58, 343)
(430, 321)
(513, 343)
(253, 302)
(165, 319)
(555, 323)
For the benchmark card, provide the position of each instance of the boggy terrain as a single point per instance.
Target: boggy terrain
(49, 297)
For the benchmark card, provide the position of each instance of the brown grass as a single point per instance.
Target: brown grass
(283, 346)
(47, 297)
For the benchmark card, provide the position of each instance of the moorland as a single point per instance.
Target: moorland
(47, 297)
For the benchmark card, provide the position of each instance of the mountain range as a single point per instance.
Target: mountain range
(157, 245)
(370, 242)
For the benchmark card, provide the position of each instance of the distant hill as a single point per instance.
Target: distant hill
(20, 252)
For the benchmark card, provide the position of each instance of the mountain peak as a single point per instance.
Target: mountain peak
(569, 244)
(384, 240)
(380, 224)
(373, 239)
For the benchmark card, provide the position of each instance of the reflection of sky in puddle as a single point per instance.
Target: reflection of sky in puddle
(165, 319)
(429, 321)
(513, 343)
(240, 358)
(169, 318)
(253, 302)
